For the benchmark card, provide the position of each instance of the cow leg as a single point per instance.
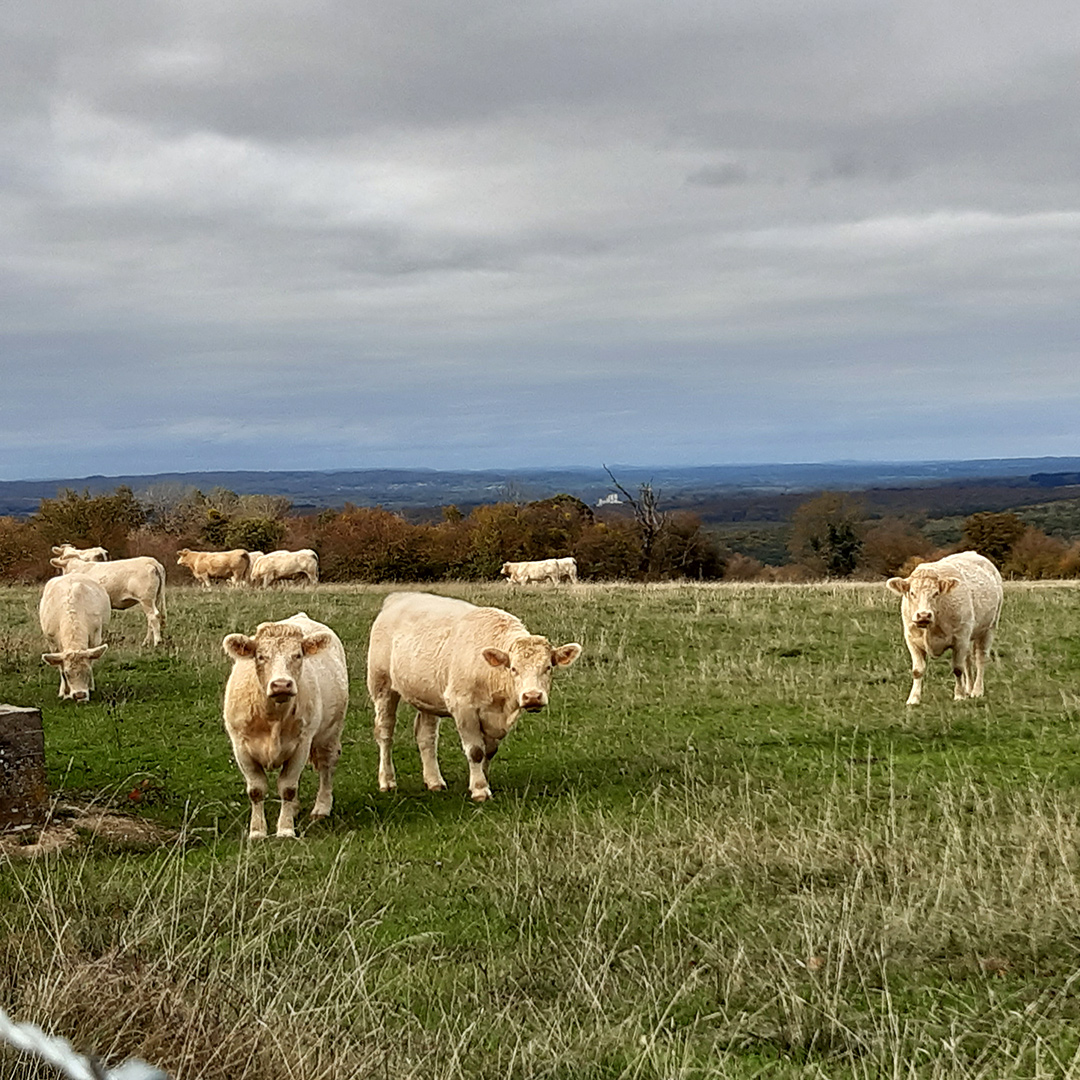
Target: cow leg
(918, 670)
(473, 743)
(325, 759)
(153, 623)
(961, 666)
(288, 782)
(981, 650)
(255, 777)
(426, 729)
(491, 748)
(386, 703)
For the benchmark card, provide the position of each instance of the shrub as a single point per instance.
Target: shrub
(1034, 556)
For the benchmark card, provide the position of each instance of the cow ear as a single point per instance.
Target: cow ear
(565, 655)
(239, 646)
(898, 585)
(497, 658)
(54, 658)
(96, 653)
(57, 563)
(947, 584)
(314, 643)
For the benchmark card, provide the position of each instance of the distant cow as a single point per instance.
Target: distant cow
(69, 551)
(953, 603)
(74, 612)
(285, 566)
(128, 582)
(285, 704)
(216, 565)
(446, 657)
(538, 571)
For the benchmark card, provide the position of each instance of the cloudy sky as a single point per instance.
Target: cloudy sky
(481, 234)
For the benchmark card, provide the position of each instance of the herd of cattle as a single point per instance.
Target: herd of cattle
(288, 690)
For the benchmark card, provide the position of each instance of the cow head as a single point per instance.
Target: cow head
(506, 570)
(182, 557)
(530, 661)
(279, 651)
(919, 594)
(70, 551)
(76, 671)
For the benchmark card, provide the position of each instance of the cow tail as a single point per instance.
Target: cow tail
(160, 598)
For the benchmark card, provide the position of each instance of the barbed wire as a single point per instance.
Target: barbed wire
(58, 1052)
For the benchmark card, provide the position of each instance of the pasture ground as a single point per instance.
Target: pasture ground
(727, 849)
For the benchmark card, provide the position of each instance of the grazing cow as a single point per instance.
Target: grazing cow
(128, 582)
(535, 572)
(446, 657)
(218, 565)
(69, 551)
(73, 613)
(953, 603)
(285, 703)
(283, 566)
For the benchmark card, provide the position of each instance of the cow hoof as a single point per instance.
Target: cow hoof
(256, 835)
(437, 787)
(482, 796)
(392, 786)
(286, 834)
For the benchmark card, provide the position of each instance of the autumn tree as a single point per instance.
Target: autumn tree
(993, 535)
(1035, 555)
(889, 543)
(90, 520)
(826, 534)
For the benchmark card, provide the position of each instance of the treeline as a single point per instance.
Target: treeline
(365, 543)
(830, 537)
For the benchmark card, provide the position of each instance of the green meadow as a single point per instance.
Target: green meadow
(726, 849)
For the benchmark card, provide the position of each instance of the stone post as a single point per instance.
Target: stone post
(24, 794)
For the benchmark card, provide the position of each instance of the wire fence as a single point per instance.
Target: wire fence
(59, 1053)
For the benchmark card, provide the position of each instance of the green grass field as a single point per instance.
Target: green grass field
(727, 849)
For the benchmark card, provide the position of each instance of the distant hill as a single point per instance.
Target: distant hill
(717, 492)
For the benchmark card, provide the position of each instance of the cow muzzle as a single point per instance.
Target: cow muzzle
(280, 690)
(923, 619)
(533, 700)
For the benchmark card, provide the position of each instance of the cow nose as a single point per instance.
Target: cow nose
(81, 695)
(533, 700)
(282, 688)
(923, 618)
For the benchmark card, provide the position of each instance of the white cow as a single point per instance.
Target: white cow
(536, 571)
(94, 554)
(285, 704)
(74, 612)
(446, 657)
(217, 565)
(284, 565)
(128, 582)
(953, 603)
